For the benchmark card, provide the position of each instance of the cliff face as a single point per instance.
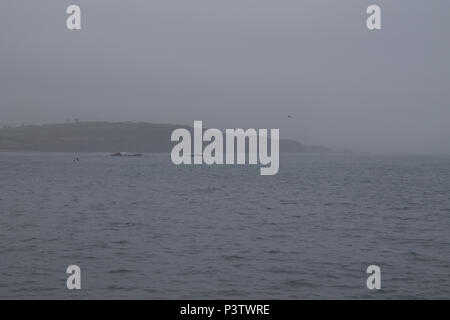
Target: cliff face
(107, 137)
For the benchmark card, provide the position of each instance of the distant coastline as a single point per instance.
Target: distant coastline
(108, 137)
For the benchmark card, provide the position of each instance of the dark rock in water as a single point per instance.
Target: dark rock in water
(120, 154)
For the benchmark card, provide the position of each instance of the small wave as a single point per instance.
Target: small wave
(120, 271)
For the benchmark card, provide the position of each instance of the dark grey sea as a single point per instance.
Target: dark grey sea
(144, 228)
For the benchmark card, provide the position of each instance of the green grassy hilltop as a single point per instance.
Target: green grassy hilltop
(106, 137)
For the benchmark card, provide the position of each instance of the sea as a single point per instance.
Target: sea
(144, 228)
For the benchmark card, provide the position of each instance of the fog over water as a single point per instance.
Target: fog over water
(236, 63)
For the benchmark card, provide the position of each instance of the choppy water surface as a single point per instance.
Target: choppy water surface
(144, 228)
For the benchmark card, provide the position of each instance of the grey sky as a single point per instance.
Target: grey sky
(236, 63)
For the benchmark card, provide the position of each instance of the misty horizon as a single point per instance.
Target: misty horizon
(80, 121)
(236, 64)
(224, 158)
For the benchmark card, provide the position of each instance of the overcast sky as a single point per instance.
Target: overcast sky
(236, 63)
